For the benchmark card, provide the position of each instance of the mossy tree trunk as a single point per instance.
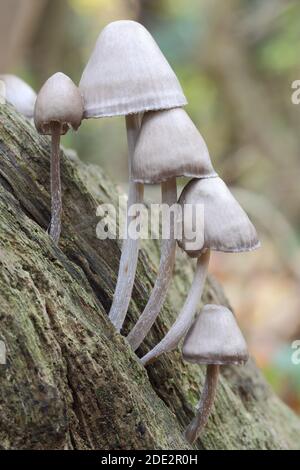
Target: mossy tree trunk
(72, 382)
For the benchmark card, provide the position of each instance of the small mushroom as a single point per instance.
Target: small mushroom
(127, 74)
(169, 146)
(226, 228)
(214, 340)
(58, 108)
(19, 94)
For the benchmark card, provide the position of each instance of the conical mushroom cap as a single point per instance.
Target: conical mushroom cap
(127, 73)
(60, 101)
(215, 338)
(170, 145)
(226, 225)
(19, 94)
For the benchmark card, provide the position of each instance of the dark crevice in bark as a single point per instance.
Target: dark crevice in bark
(93, 279)
(21, 201)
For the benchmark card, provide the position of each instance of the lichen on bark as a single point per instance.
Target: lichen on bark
(72, 382)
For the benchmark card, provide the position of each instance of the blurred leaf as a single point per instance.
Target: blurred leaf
(280, 52)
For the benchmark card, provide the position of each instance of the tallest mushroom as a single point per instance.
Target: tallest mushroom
(128, 75)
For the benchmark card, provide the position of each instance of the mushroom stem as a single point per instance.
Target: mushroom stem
(205, 404)
(130, 248)
(186, 316)
(166, 266)
(56, 197)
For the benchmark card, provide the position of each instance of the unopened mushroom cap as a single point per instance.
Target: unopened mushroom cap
(59, 101)
(19, 94)
(215, 338)
(170, 145)
(127, 73)
(226, 225)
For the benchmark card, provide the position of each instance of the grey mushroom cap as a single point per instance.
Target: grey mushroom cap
(19, 94)
(59, 101)
(226, 225)
(169, 145)
(127, 73)
(215, 338)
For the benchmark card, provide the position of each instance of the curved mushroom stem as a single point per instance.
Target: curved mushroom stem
(166, 266)
(56, 197)
(186, 316)
(130, 248)
(205, 404)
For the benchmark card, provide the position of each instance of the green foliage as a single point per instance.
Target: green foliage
(280, 51)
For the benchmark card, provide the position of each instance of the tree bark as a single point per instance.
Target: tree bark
(71, 381)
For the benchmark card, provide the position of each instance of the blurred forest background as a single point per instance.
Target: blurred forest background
(236, 60)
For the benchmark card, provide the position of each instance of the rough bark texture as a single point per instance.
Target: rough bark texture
(70, 381)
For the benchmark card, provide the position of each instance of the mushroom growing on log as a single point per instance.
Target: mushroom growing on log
(226, 227)
(169, 146)
(214, 340)
(58, 108)
(127, 75)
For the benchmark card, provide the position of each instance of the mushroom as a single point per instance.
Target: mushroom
(127, 75)
(214, 340)
(226, 228)
(169, 145)
(19, 94)
(58, 107)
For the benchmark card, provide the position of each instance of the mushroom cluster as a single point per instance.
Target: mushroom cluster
(168, 146)
(127, 75)
(226, 227)
(214, 339)
(56, 108)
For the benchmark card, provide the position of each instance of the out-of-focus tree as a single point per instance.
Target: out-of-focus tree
(18, 22)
